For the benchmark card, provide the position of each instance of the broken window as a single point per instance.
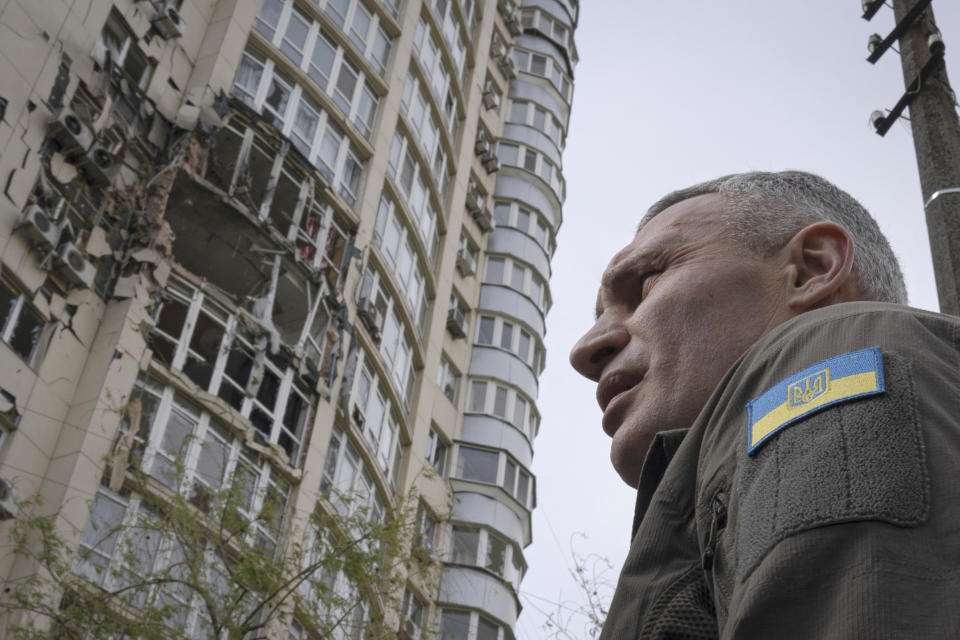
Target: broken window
(206, 342)
(305, 123)
(278, 95)
(22, 326)
(117, 45)
(208, 332)
(236, 373)
(248, 78)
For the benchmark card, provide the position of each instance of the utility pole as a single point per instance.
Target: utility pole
(936, 134)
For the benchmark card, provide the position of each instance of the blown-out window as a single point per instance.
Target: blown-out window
(196, 335)
(310, 128)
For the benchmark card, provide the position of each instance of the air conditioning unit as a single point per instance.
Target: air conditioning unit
(168, 21)
(508, 67)
(497, 49)
(482, 146)
(99, 164)
(513, 22)
(9, 500)
(474, 198)
(74, 267)
(70, 133)
(491, 97)
(358, 416)
(38, 227)
(491, 164)
(466, 264)
(484, 220)
(370, 317)
(457, 322)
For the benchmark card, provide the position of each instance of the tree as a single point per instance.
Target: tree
(157, 563)
(589, 610)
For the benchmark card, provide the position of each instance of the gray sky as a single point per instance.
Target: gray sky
(669, 94)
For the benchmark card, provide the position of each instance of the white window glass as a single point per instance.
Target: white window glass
(501, 214)
(518, 112)
(530, 160)
(477, 464)
(486, 630)
(519, 413)
(485, 332)
(523, 487)
(321, 60)
(248, 78)
(346, 85)
(517, 276)
(268, 17)
(523, 347)
(337, 10)
(361, 26)
(500, 402)
(455, 625)
(540, 118)
(538, 65)
(465, 543)
(478, 396)
(506, 335)
(540, 233)
(508, 154)
(523, 220)
(494, 273)
(296, 36)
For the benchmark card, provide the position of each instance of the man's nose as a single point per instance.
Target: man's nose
(596, 348)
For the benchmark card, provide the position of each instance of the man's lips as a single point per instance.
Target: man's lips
(615, 383)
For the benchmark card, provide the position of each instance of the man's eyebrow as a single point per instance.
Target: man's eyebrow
(624, 268)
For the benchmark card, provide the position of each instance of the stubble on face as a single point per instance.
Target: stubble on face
(676, 307)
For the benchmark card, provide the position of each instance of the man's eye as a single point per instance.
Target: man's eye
(646, 283)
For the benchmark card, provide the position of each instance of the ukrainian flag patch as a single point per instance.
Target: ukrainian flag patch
(837, 379)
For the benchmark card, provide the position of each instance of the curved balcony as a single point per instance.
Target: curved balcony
(490, 431)
(492, 362)
(521, 246)
(475, 589)
(483, 510)
(504, 300)
(518, 187)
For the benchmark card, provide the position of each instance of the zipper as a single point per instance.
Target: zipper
(717, 524)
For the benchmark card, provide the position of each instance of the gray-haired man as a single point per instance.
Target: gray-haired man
(793, 435)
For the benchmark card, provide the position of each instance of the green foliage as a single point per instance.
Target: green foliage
(155, 563)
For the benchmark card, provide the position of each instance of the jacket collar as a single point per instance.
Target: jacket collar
(662, 450)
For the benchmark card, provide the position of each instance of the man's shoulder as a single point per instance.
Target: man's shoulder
(853, 325)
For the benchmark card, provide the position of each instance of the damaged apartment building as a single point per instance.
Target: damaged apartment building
(311, 236)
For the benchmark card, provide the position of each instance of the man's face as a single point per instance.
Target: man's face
(676, 307)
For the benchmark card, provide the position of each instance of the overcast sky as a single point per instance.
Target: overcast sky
(669, 94)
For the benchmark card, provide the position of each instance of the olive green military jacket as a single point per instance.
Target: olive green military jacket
(817, 495)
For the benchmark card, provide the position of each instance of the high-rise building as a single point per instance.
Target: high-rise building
(311, 238)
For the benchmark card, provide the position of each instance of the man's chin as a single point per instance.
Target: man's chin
(627, 453)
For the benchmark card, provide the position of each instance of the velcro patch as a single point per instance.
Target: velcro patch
(837, 379)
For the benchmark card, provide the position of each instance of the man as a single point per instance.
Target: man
(793, 436)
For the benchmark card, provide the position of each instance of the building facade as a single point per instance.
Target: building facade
(311, 241)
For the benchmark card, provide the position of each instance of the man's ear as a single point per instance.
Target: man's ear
(820, 260)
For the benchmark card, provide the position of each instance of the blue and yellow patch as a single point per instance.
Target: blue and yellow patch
(837, 379)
